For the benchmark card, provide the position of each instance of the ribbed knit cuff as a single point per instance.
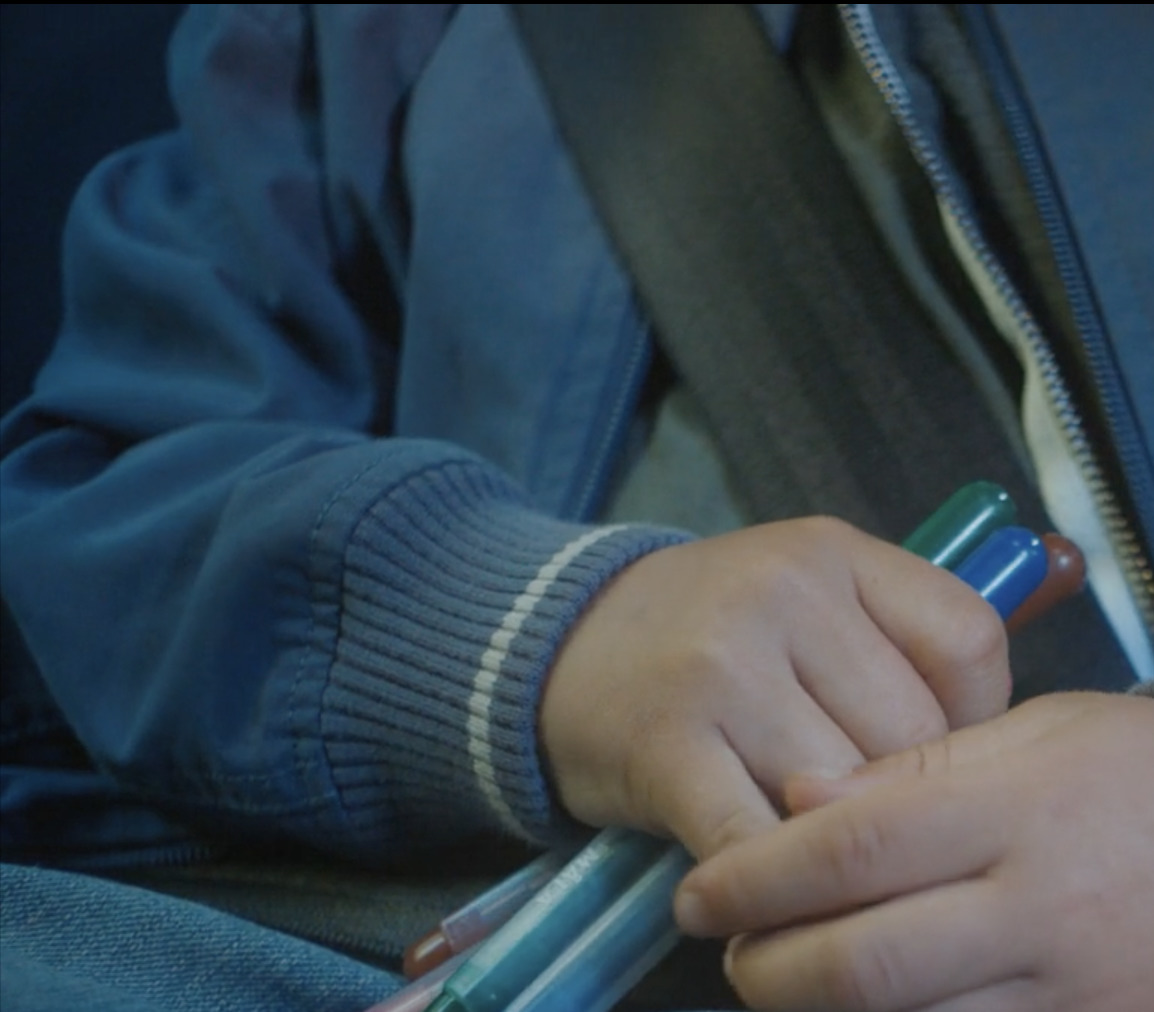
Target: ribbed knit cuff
(453, 600)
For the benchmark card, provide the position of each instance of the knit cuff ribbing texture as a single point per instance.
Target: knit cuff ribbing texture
(455, 598)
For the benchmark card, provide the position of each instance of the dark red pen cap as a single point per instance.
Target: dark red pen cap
(1065, 576)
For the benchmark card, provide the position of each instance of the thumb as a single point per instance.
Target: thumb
(807, 790)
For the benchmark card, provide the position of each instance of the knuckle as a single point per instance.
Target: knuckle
(980, 635)
(851, 856)
(863, 977)
(730, 827)
(702, 663)
(933, 728)
(712, 673)
(825, 528)
(796, 581)
(921, 728)
(923, 760)
(822, 536)
(929, 759)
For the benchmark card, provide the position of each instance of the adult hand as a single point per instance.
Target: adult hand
(707, 671)
(1005, 868)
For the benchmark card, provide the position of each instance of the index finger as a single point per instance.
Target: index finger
(897, 839)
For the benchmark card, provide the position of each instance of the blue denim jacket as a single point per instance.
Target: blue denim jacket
(304, 500)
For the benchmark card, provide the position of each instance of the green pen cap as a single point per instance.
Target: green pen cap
(962, 523)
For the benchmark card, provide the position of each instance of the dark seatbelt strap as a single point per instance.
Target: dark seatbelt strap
(767, 284)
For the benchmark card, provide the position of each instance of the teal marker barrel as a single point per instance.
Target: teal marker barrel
(962, 523)
(501, 967)
(618, 949)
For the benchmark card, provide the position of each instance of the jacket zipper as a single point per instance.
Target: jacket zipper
(1064, 248)
(1127, 545)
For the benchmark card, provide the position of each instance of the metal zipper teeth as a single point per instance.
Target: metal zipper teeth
(1127, 545)
(1070, 270)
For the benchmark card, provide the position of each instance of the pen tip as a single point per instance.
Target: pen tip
(426, 954)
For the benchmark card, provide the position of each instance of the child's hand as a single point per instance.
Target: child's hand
(707, 671)
(1006, 867)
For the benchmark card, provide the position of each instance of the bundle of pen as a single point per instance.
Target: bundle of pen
(578, 931)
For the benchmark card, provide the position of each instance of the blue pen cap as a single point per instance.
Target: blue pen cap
(1006, 568)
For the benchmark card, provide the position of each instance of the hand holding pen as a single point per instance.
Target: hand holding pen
(991, 868)
(707, 672)
(1006, 866)
(637, 928)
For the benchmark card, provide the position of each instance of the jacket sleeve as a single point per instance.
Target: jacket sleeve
(255, 607)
